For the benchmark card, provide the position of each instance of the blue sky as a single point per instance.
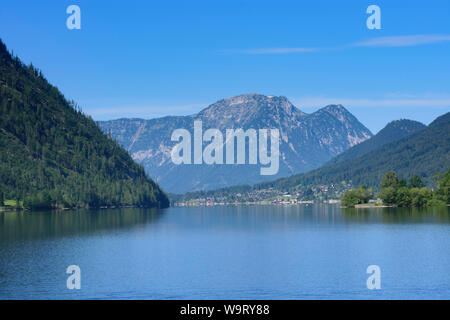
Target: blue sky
(154, 58)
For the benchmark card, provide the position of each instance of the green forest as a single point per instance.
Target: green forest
(402, 193)
(54, 156)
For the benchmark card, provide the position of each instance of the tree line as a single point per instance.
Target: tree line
(402, 193)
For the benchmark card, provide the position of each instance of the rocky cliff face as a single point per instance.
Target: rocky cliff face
(306, 140)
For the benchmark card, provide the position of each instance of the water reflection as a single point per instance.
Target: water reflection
(244, 217)
(270, 216)
(49, 224)
(233, 252)
(397, 215)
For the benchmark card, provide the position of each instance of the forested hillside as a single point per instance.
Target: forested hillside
(393, 131)
(52, 155)
(423, 153)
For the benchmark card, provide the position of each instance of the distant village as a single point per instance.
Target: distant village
(330, 194)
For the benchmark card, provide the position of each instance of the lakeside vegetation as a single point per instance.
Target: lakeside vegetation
(9, 204)
(54, 156)
(401, 193)
(354, 197)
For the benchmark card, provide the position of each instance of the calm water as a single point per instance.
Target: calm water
(246, 252)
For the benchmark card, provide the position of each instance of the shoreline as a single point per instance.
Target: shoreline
(13, 209)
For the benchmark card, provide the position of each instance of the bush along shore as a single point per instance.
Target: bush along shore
(396, 192)
(43, 201)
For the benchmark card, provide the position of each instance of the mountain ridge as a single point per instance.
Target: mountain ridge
(393, 131)
(424, 153)
(306, 140)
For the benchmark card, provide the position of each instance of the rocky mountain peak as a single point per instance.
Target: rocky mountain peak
(250, 106)
(339, 112)
(335, 109)
(306, 140)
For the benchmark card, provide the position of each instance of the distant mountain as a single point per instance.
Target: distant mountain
(424, 152)
(393, 131)
(51, 155)
(306, 140)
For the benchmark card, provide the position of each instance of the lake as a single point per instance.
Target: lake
(229, 252)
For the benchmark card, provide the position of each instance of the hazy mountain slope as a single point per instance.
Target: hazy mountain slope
(424, 153)
(393, 131)
(306, 140)
(53, 155)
